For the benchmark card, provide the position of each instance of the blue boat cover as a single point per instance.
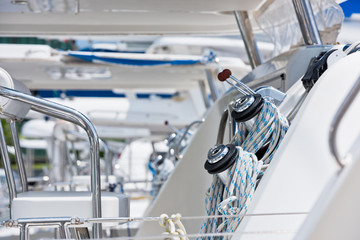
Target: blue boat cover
(350, 6)
(133, 62)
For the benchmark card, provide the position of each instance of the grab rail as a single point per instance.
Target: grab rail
(74, 116)
(103, 146)
(18, 155)
(177, 148)
(308, 26)
(337, 119)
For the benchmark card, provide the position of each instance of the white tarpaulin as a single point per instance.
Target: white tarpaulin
(277, 18)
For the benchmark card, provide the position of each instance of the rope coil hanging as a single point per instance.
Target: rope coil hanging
(173, 226)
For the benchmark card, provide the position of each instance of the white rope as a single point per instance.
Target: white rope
(173, 226)
(234, 197)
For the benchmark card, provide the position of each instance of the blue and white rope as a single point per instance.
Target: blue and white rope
(234, 197)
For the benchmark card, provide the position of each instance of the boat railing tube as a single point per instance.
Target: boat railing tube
(349, 99)
(244, 25)
(66, 113)
(7, 166)
(177, 148)
(18, 155)
(103, 146)
(307, 22)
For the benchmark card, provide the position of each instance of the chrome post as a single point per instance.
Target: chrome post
(60, 222)
(213, 89)
(7, 165)
(74, 116)
(307, 22)
(18, 155)
(71, 160)
(222, 126)
(68, 231)
(103, 146)
(244, 25)
(177, 148)
(62, 232)
(24, 233)
(350, 97)
(107, 157)
(128, 141)
(203, 93)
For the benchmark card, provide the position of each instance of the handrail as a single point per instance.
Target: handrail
(244, 25)
(18, 155)
(308, 26)
(61, 222)
(102, 145)
(7, 166)
(339, 115)
(211, 83)
(76, 117)
(177, 148)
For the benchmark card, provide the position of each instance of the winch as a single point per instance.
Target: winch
(220, 159)
(256, 130)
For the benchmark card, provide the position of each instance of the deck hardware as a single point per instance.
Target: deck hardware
(187, 129)
(335, 123)
(316, 68)
(246, 107)
(220, 158)
(19, 103)
(226, 74)
(272, 94)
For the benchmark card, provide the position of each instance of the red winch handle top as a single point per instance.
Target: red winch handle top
(225, 74)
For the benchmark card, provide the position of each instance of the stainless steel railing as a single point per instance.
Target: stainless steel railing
(349, 99)
(177, 148)
(74, 116)
(307, 22)
(103, 146)
(18, 155)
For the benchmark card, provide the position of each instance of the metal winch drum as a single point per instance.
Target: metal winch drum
(220, 159)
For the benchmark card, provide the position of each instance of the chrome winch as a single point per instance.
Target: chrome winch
(220, 158)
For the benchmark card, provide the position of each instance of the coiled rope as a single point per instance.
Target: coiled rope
(234, 197)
